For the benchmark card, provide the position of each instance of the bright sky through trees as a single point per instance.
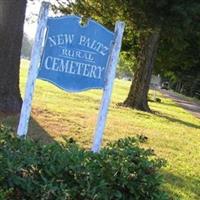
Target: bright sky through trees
(32, 11)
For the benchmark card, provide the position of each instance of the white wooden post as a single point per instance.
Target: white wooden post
(113, 59)
(33, 70)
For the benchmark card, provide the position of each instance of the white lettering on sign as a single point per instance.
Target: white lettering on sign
(73, 67)
(78, 54)
(60, 39)
(65, 39)
(94, 45)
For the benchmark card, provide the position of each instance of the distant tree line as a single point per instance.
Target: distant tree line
(26, 47)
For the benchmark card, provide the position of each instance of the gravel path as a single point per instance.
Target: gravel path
(192, 107)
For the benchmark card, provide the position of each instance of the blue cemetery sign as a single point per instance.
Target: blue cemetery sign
(75, 57)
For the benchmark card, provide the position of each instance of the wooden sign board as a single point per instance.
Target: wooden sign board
(75, 58)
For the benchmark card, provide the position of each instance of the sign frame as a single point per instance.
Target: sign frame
(36, 56)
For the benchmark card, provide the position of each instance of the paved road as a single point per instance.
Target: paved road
(192, 107)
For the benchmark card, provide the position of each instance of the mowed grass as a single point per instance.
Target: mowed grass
(172, 132)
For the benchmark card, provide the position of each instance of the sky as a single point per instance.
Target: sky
(30, 25)
(32, 11)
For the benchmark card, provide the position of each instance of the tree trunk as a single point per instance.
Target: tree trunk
(12, 14)
(137, 97)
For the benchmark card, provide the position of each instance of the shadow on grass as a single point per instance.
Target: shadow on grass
(188, 106)
(186, 185)
(35, 130)
(148, 115)
(172, 119)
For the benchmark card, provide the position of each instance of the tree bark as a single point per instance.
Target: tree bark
(138, 93)
(12, 14)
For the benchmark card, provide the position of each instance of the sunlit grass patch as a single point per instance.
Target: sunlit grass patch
(172, 132)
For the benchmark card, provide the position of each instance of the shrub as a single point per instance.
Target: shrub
(122, 170)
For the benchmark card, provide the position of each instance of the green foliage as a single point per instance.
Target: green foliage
(122, 170)
(125, 66)
(176, 22)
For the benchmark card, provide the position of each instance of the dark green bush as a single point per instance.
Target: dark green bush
(122, 170)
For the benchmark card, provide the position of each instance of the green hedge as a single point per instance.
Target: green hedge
(122, 170)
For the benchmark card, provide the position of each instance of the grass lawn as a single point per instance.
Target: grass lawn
(173, 133)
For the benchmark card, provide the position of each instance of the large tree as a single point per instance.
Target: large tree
(146, 23)
(12, 14)
(155, 20)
